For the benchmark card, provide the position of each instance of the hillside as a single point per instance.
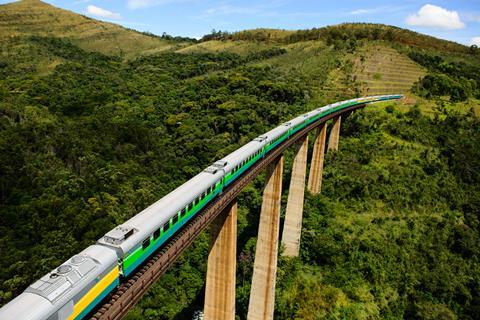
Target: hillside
(345, 32)
(89, 139)
(33, 17)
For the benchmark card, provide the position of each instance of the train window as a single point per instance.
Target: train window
(166, 226)
(182, 213)
(174, 219)
(156, 234)
(146, 243)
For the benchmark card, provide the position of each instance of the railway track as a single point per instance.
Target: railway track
(119, 302)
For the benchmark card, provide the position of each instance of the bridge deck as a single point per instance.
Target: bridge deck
(127, 294)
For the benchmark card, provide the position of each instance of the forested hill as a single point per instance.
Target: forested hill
(88, 138)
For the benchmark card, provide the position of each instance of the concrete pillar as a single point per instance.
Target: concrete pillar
(292, 226)
(221, 268)
(335, 134)
(316, 167)
(262, 293)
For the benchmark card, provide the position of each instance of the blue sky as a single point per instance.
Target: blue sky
(453, 20)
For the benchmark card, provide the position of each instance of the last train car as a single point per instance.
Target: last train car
(70, 291)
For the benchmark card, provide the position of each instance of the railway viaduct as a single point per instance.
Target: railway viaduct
(221, 216)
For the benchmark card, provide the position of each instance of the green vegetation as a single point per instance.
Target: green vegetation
(88, 139)
(394, 232)
(458, 80)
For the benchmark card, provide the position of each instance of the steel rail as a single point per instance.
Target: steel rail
(119, 302)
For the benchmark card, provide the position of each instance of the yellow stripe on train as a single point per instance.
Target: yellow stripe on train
(97, 289)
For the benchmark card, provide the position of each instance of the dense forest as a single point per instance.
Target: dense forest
(95, 139)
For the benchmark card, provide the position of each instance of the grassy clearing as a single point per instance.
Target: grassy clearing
(238, 47)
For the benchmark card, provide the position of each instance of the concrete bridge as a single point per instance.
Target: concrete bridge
(221, 216)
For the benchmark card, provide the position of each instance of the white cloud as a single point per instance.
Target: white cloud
(229, 10)
(266, 9)
(139, 4)
(435, 17)
(103, 13)
(376, 10)
(360, 11)
(475, 41)
(136, 4)
(471, 17)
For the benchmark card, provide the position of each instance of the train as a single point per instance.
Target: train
(73, 290)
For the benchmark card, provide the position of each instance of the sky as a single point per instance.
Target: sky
(457, 20)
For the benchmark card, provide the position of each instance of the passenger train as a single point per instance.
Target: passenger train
(75, 288)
